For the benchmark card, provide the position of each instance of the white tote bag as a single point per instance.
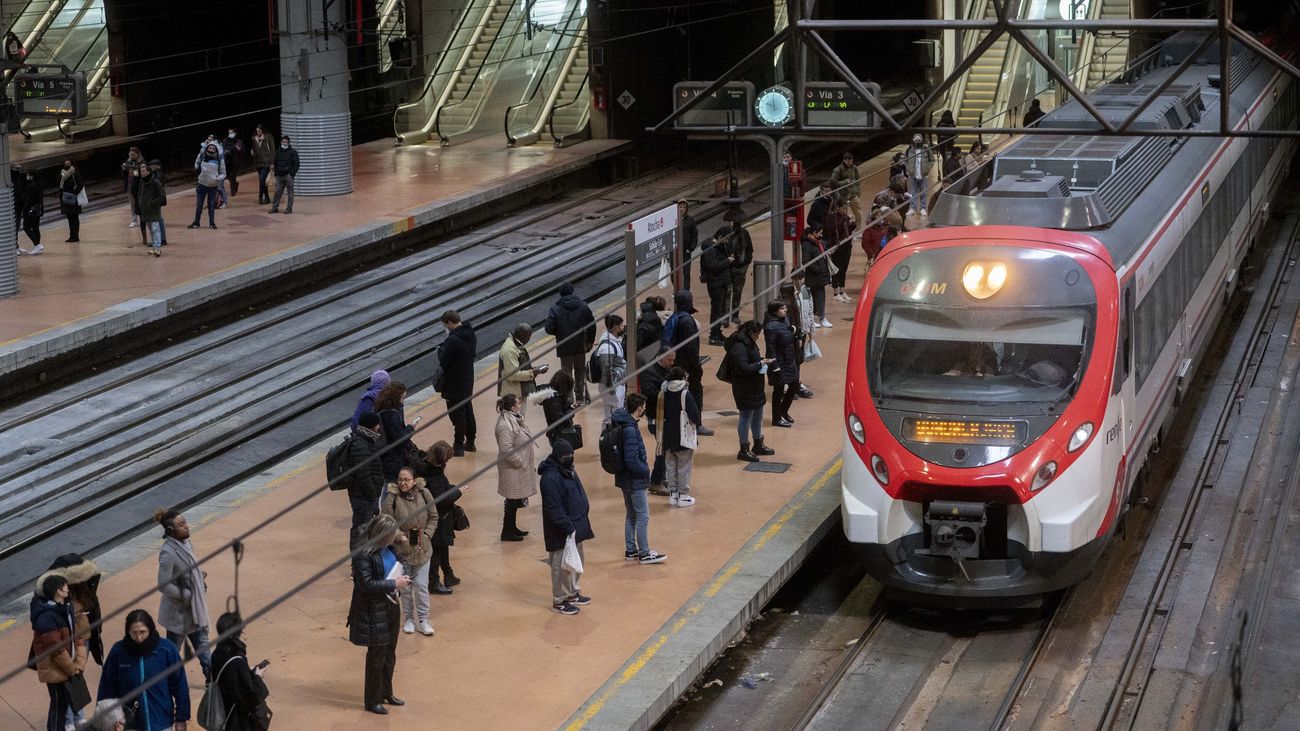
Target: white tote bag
(572, 561)
(690, 438)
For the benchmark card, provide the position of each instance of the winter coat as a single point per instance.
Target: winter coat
(515, 370)
(150, 198)
(368, 481)
(175, 582)
(558, 412)
(241, 689)
(435, 479)
(82, 576)
(233, 147)
(821, 205)
(374, 601)
(456, 356)
(686, 335)
(746, 381)
(263, 152)
(845, 180)
(286, 162)
(674, 398)
(366, 404)
(33, 199)
(649, 331)
(396, 431)
(817, 272)
(164, 703)
(211, 170)
(839, 228)
(611, 357)
(414, 513)
(784, 348)
(564, 505)
(69, 183)
(52, 625)
(715, 265)
(635, 473)
(652, 380)
(570, 315)
(917, 154)
(743, 246)
(517, 472)
(690, 234)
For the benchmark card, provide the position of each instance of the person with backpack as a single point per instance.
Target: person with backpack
(715, 270)
(564, 513)
(573, 325)
(517, 467)
(456, 358)
(622, 452)
(652, 380)
(677, 415)
(241, 686)
(744, 369)
(682, 334)
(609, 365)
(367, 482)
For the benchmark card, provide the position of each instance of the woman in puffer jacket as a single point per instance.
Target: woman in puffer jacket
(212, 171)
(52, 627)
(412, 506)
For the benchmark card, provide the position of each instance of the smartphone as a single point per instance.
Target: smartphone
(262, 665)
(416, 420)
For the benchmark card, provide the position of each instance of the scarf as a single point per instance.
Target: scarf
(198, 594)
(146, 648)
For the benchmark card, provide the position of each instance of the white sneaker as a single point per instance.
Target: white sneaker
(426, 629)
(409, 627)
(684, 501)
(22, 251)
(825, 323)
(816, 323)
(131, 225)
(37, 250)
(672, 499)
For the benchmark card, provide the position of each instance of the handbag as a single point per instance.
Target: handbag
(571, 434)
(78, 693)
(68, 199)
(572, 561)
(260, 718)
(459, 518)
(690, 438)
(132, 714)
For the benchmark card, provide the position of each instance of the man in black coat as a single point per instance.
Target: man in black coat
(286, 169)
(690, 238)
(564, 512)
(568, 317)
(682, 330)
(821, 205)
(742, 247)
(456, 356)
(715, 265)
(368, 481)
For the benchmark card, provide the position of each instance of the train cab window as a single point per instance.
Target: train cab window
(1124, 361)
(991, 356)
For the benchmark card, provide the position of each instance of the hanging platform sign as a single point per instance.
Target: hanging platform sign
(654, 236)
(836, 104)
(733, 104)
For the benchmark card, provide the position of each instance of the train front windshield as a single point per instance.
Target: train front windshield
(979, 355)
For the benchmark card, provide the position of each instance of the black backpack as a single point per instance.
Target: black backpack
(337, 461)
(611, 448)
(594, 374)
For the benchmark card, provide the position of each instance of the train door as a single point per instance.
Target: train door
(1118, 432)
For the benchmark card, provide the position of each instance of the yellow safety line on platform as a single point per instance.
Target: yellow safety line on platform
(649, 651)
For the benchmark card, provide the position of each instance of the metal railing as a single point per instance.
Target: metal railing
(576, 38)
(465, 49)
(445, 138)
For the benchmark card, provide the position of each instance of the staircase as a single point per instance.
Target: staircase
(572, 110)
(476, 78)
(1109, 52)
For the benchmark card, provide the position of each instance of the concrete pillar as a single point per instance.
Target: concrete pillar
(314, 94)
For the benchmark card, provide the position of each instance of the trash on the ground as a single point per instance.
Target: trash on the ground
(794, 612)
(749, 682)
(715, 683)
(850, 643)
(765, 677)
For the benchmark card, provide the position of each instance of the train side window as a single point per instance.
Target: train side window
(1124, 365)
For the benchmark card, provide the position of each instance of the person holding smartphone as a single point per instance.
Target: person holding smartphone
(242, 687)
(374, 617)
(746, 370)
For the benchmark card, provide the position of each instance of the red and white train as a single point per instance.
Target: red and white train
(1013, 364)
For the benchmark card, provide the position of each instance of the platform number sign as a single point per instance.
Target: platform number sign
(58, 95)
(835, 104)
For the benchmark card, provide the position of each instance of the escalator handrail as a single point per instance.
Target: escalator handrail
(540, 75)
(451, 40)
(478, 76)
(550, 118)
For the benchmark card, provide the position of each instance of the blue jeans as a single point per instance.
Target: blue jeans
(198, 645)
(751, 423)
(917, 189)
(157, 234)
(205, 193)
(636, 523)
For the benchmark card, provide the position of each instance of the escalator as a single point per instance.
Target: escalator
(984, 78)
(1109, 52)
(554, 102)
(71, 33)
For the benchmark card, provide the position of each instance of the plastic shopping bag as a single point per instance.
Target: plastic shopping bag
(811, 351)
(665, 273)
(572, 561)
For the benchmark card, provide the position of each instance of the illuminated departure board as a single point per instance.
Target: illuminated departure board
(988, 433)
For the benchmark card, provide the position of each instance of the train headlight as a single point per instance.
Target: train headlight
(1043, 476)
(984, 279)
(855, 428)
(1080, 437)
(880, 470)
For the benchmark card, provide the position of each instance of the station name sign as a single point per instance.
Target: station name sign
(655, 235)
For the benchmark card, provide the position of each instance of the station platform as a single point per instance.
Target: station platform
(107, 285)
(500, 658)
(38, 155)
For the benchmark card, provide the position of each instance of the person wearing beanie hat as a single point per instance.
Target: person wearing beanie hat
(367, 483)
(574, 327)
(564, 513)
(378, 380)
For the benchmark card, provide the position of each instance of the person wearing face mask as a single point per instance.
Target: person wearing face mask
(139, 656)
(263, 151)
(230, 156)
(53, 627)
(33, 199)
(183, 611)
(564, 513)
(150, 203)
(286, 167)
(212, 170)
(70, 190)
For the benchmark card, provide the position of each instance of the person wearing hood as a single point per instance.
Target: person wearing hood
(368, 481)
(1033, 114)
(612, 359)
(715, 269)
(262, 148)
(456, 358)
(211, 168)
(378, 380)
(433, 470)
(517, 467)
(416, 515)
(783, 351)
(516, 374)
(742, 247)
(183, 610)
(918, 163)
(573, 325)
(70, 192)
(564, 513)
(286, 169)
(54, 632)
(682, 334)
(633, 478)
(373, 616)
(675, 408)
(747, 369)
(392, 419)
(242, 687)
(139, 656)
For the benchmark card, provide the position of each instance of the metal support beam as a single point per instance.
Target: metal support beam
(1225, 66)
(767, 47)
(1061, 77)
(824, 50)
